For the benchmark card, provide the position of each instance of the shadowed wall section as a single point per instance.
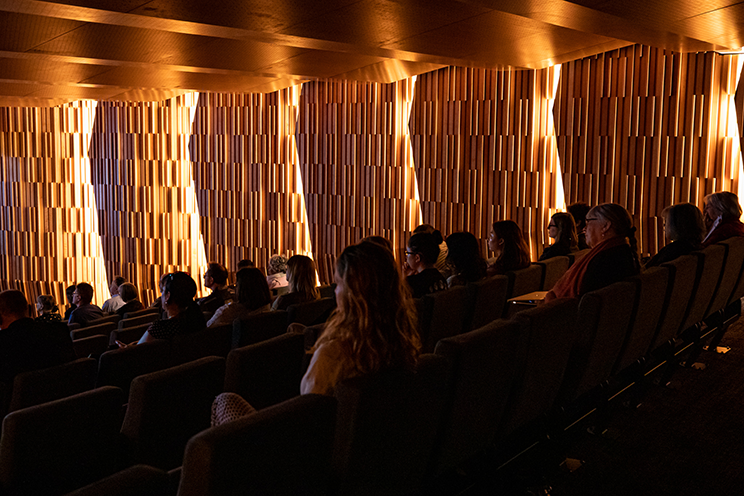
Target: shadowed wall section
(648, 128)
(484, 150)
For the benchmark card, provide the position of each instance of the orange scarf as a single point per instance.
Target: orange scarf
(569, 285)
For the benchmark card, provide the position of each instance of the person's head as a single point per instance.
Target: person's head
(608, 220)
(215, 275)
(251, 289)
(579, 211)
(562, 229)
(423, 250)
(128, 292)
(83, 294)
(13, 306)
(115, 283)
(178, 292)
(722, 204)
(507, 241)
(378, 240)
(684, 222)
(46, 304)
(277, 265)
(375, 321)
(301, 276)
(463, 252)
(69, 292)
(245, 263)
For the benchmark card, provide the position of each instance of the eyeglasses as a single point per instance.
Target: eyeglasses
(551, 225)
(410, 252)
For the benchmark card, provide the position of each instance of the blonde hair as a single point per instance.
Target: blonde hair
(375, 322)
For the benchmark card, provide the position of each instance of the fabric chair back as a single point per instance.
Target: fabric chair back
(105, 328)
(128, 334)
(710, 269)
(553, 269)
(259, 327)
(40, 386)
(145, 318)
(139, 480)
(442, 315)
(119, 367)
(90, 346)
(682, 276)
(311, 312)
(733, 264)
(138, 313)
(213, 341)
(487, 299)
(524, 281)
(104, 320)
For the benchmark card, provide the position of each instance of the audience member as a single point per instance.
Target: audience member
(115, 302)
(379, 240)
(85, 311)
(184, 315)
(441, 265)
(722, 212)
(47, 308)
(252, 296)
(68, 293)
(215, 278)
(579, 211)
(373, 328)
(562, 230)
(302, 281)
(129, 296)
(276, 272)
(158, 303)
(465, 257)
(421, 256)
(507, 242)
(245, 263)
(613, 256)
(26, 344)
(684, 227)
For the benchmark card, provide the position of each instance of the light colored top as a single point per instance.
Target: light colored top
(112, 304)
(228, 312)
(278, 280)
(326, 369)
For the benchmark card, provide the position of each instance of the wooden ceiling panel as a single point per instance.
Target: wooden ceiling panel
(389, 71)
(49, 72)
(317, 63)
(724, 26)
(21, 32)
(656, 12)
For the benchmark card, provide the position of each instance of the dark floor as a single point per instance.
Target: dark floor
(687, 439)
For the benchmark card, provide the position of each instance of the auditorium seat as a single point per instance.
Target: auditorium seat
(442, 314)
(212, 341)
(128, 334)
(146, 318)
(119, 367)
(139, 313)
(268, 372)
(103, 320)
(311, 312)
(167, 407)
(328, 290)
(710, 265)
(386, 428)
(485, 301)
(139, 480)
(61, 445)
(577, 255)
(90, 346)
(105, 328)
(553, 269)
(682, 276)
(524, 281)
(483, 366)
(736, 245)
(40, 386)
(283, 450)
(259, 327)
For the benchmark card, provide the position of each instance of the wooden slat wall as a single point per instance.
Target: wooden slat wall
(356, 165)
(647, 128)
(146, 206)
(246, 177)
(48, 226)
(484, 150)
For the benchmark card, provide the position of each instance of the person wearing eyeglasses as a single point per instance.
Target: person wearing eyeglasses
(421, 256)
(562, 229)
(613, 257)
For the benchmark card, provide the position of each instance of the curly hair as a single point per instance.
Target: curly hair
(375, 322)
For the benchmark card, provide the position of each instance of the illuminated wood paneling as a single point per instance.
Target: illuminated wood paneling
(356, 165)
(48, 226)
(484, 150)
(246, 176)
(647, 128)
(146, 205)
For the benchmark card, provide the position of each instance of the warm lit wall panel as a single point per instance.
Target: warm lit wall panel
(356, 165)
(647, 128)
(484, 150)
(246, 176)
(48, 227)
(146, 204)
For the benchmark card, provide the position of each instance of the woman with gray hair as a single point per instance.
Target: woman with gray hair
(722, 212)
(685, 228)
(277, 272)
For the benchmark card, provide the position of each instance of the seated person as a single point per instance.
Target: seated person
(68, 293)
(276, 271)
(507, 242)
(85, 311)
(184, 315)
(161, 286)
(464, 256)
(685, 228)
(302, 281)
(26, 344)
(47, 308)
(252, 296)
(579, 211)
(421, 256)
(562, 230)
(215, 278)
(115, 302)
(722, 212)
(373, 328)
(380, 240)
(613, 256)
(129, 296)
(442, 266)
